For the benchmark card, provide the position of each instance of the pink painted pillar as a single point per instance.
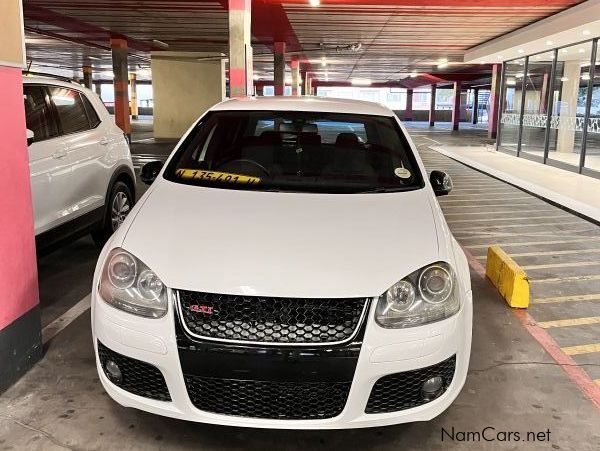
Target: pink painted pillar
(494, 101)
(240, 49)
(20, 329)
(456, 106)
(295, 76)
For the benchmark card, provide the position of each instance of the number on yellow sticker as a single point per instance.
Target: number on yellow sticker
(214, 176)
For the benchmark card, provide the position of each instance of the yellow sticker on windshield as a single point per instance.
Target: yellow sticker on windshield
(214, 176)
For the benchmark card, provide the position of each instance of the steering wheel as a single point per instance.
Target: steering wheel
(246, 161)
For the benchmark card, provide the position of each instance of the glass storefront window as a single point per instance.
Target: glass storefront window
(592, 151)
(569, 103)
(537, 87)
(511, 104)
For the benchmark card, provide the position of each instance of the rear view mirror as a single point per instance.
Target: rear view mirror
(30, 137)
(440, 182)
(150, 171)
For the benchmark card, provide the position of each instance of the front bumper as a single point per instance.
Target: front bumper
(383, 352)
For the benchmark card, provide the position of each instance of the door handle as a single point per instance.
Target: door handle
(104, 141)
(60, 154)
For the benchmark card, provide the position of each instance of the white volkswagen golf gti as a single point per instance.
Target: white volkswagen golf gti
(289, 267)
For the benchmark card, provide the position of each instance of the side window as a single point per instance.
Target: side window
(37, 113)
(91, 112)
(70, 109)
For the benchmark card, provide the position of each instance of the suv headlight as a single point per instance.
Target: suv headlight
(425, 296)
(128, 284)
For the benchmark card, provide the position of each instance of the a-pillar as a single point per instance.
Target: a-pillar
(456, 106)
(87, 76)
(241, 82)
(569, 94)
(494, 101)
(295, 77)
(279, 68)
(408, 112)
(432, 106)
(20, 327)
(121, 85)
(474, 113)
(134, 100)
(184, 85)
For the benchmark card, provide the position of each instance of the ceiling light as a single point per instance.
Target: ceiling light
(361, 82)
(511, 81)
(323, 62)
(581, 50)
(521, 51)
(256, 77)
(586, 32)
(563, 79)
(160, 44)
(314, 2)
(549, 42)
(564, 51)
(499, 57)
(585, 77)
(413, 74)
(538, 57)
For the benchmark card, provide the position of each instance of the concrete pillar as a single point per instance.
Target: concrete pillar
(259, 91)
(408, 112)
(568, 106)
(87, 76)
(184, 88)
(98, 89)
(308, 85)
(304, 77)
(20, 327)
(121, 85)
(134, 101)
(295, 76)
(543, 103)
(279, 68)
(241, 82)
(494, 101)
(475, 110)
(432, 106)
(456, 106)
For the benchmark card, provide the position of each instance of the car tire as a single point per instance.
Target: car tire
(120, 202)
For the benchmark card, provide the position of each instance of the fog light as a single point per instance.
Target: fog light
(113, 372)
(432, 388)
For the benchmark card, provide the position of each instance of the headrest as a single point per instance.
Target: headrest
(310, 128)
(270, 138)
(347, 140)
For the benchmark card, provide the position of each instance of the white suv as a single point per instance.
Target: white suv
(289, 267)
(82, 177)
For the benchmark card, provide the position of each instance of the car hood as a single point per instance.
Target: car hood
(282, 244)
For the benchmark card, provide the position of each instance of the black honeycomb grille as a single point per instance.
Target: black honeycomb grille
(270, 320)
(139, 378)
(401, 391)
(268, 399)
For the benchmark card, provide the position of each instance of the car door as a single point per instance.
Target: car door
(86, 146)
(47, 160)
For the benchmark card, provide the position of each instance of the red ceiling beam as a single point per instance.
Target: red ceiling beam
(441, 3)
(87, 31)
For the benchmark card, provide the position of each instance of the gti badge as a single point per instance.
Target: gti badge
(205, 309)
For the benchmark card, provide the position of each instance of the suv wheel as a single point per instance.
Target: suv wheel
(119, 205)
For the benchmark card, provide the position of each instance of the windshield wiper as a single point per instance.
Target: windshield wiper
(386, 190)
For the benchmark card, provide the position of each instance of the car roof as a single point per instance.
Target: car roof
(303, 103)
(49, 80)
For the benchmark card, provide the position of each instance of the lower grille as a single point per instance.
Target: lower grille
(401, 391)
(139, 378)
(256, 319)
(268, 399)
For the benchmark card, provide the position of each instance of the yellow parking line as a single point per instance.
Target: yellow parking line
(567, 279)
(574, 298)
(506, 219)
(532, 243)
(582, 349)
(562, 265)
(537, 224)
(570, 322)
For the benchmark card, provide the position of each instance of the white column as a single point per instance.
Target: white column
(567, 106)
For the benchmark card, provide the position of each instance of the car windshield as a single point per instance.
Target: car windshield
(296, 151)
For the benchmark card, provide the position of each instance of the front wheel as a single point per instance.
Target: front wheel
(119, 205)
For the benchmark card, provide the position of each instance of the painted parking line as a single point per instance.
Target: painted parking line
(574, 298)
(582, 349)
(533, 243)
(54, 328)
(562, 265)
(474, 213)
(570, 322)
(537, 224)
(567, 279)
(471, 198)
(541, 254)
(454, 221)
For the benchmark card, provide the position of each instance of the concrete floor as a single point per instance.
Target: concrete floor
(513, 384)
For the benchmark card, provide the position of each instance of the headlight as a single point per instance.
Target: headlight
(425, 296)
(128, 284)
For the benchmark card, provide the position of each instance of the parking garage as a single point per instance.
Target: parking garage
(498, 105)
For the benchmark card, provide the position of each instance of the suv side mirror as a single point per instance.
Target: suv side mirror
(150, 171)
(441, 183)
(30, 137)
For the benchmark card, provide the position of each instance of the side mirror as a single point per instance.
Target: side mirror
(30, 137)
(441, 183)
(150, 171)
